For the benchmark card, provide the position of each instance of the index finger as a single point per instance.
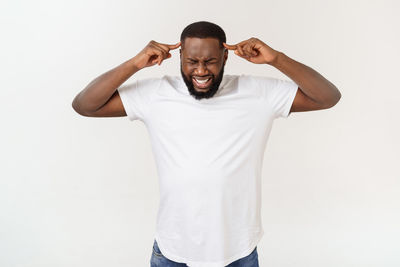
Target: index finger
(174, 46)
(168, 47)
(229, 47)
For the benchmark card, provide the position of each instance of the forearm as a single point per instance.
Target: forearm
(100, 90)
(313, 84)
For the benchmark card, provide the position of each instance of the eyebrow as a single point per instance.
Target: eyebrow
(205, 60)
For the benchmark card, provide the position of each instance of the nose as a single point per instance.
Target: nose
(201, 70)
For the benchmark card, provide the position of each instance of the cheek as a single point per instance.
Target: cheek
(187, 69)
(215, 69)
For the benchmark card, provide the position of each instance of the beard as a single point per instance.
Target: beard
(216, 81)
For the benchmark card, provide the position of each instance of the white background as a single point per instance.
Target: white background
(77, 191)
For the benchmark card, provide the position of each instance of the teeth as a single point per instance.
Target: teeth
(202, 81)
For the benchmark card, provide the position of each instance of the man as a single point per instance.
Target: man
(208, 134)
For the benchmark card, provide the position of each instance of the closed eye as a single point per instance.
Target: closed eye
(208, 62)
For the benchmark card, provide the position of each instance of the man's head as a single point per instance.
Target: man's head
(203, 58)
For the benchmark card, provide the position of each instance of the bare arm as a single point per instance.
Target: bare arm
(100, 97)
(310, 82)
(314, 91)
(99, 91)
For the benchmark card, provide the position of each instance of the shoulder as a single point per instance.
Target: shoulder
(267, 84)
(140, 88)
(257, 85)
(258, 80)
(171, 81)
(149, 83)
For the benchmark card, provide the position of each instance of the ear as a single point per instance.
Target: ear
(225, 55)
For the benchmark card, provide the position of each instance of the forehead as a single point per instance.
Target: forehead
(201, 47)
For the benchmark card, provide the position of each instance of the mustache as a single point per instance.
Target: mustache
(216, 81)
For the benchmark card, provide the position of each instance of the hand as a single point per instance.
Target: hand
(254, 50)
(154, 53)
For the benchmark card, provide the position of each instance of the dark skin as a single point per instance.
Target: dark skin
(100, 97)
(202, 58)
(315, 91)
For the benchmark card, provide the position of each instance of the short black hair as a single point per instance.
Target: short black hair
(204, 29)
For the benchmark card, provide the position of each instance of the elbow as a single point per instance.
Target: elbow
(338, 96)
(75, 106)
(335, 99)
(78, 109)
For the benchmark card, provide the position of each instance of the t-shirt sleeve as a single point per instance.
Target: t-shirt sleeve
(279, 94)
(136, 98)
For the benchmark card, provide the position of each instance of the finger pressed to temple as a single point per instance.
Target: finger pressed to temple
(229, 47)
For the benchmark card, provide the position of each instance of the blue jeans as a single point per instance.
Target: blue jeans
(158, 259)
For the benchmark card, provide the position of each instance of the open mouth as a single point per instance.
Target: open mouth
(202, 82)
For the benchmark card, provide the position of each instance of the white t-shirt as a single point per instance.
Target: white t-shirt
(209, 156)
